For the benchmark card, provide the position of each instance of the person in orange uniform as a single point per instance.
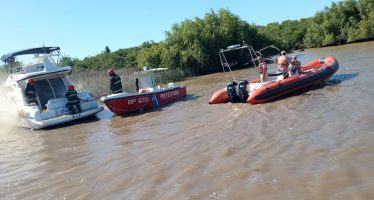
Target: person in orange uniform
(262, 69)
(283, 64)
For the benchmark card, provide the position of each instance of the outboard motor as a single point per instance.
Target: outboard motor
(231, 92)
(242, 91)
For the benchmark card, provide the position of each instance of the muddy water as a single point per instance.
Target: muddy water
(317, 144)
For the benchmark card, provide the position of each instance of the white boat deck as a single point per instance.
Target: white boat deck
(254, 86)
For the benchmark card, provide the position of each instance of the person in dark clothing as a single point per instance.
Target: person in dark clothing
(30, 92)
(115, 82)
(74, 101)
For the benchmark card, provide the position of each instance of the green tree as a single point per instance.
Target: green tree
(107, 50)
(192, 45)
(69, 61)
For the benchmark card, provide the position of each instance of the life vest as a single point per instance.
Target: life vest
(30, 92)
(72, 96)
(283, 60)
(115, 84)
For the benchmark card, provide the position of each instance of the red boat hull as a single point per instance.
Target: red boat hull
(143, 101)
(324, 68)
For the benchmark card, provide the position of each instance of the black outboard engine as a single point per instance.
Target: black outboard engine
(231, 92)
(242, 91)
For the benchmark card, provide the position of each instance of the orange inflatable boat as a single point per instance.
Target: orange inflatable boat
(255, 92)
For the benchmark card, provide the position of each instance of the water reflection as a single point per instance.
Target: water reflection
(338, 78)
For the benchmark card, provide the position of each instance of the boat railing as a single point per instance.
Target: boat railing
(251, 55)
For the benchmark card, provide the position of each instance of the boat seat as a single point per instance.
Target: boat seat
(54, 104)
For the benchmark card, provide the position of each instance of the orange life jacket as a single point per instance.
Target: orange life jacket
(283, 60)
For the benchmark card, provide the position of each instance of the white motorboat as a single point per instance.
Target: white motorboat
(51, 83)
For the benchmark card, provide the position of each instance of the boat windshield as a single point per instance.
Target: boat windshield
(149, 77)
(50, 89)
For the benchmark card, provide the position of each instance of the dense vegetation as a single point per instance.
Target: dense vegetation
(192, 46)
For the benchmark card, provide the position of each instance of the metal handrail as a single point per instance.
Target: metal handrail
(253, 55)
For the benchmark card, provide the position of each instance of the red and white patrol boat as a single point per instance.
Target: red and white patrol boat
(146, 98)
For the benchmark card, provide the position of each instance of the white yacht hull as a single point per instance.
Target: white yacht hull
(34, 124)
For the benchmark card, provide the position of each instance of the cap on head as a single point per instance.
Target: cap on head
(31, 82)
(110, 72)
(71, 87)
(283, 53)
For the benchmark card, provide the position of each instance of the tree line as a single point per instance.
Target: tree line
(192, 46)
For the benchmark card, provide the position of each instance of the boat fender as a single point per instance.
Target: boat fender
(144, 90)
(242, 91)
(231, 92)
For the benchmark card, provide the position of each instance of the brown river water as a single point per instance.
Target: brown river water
(315, 144)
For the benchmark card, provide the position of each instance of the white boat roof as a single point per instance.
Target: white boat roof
(61, 70)
(149, 71)
(44, 67)
(40, 50)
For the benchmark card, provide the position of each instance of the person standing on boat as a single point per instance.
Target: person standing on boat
(262, 69)
(74, 101)
(295, 66)
(30, 92)
(283, 64)
(115, 82)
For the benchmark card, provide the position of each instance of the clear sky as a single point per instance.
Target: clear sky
(84, 27)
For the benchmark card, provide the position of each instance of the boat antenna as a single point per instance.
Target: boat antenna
(45, 52)
(50, 52)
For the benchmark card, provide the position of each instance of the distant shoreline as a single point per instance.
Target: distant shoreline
(338, 44)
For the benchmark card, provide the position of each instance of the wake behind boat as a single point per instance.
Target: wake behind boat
(255, 91)
(148, 96)
(51, 84)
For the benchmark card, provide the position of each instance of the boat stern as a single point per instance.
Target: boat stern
(56, 111)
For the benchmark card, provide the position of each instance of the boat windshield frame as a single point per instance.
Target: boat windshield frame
(147, 77)
(252, 53)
